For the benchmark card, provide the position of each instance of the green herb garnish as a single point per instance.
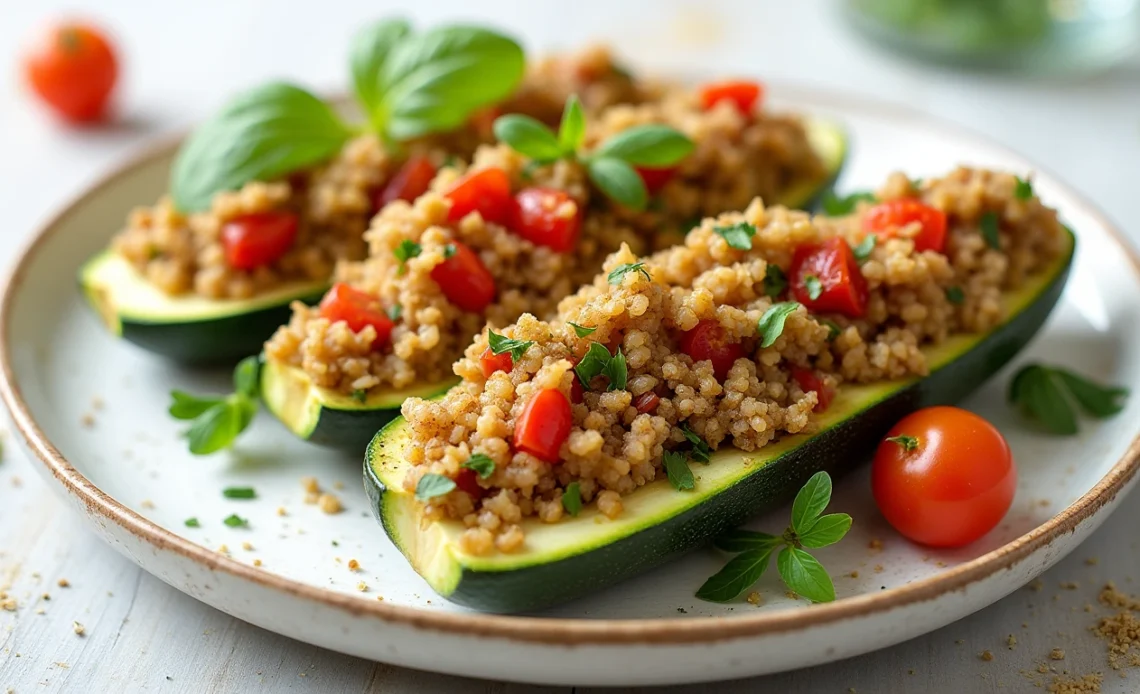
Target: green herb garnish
(907, 443)
(582, 331)
(598, 361)
(360, 395)
(615, 370)
(572, 499)
(990, 224)
(814, 287)
(618, 273)
(482, 464)
(834, 206)
(235, 521)
(700, 451)
(500, 344)
(738, 236)
(432, 485)
(863, 250)
(407, 250)
(216, 421)
(771, 324)
(800, 571)
(833, 329)
(955, 295)
(1024, 189)
(1045, 394)
(775, 281)
(449, 251)
(677, 469)
(192, 523)
(239, 493)
(395, 311)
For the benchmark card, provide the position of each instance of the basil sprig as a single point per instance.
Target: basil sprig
(1045, 394)
(599, 362)
(801, 572)
(611, 165)
(835, 206)
(738, 236)
(771, 324)
(217, 421)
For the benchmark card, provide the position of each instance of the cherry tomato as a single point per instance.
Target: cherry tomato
(809, 380)
(886, 218)
(547, 217)
(466, 481)
(655, 179)
(257, 239)
(544, 425)
(492, 362)
(646, 402)
(410, 182)
(842, 288)
(464, 279)
(945, 479)
(744, 94)
(486, 191)
(73, 68)
(358, 309)
(707, 341)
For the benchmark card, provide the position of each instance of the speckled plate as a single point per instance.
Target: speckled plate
(93, 411)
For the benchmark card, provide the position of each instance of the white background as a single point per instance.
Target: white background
(181, 60)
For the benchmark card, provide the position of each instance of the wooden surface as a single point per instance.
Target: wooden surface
(141, 635)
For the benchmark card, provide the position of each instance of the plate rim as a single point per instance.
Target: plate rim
(565, 631)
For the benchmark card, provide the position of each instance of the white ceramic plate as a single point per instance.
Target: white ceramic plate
(128, 474)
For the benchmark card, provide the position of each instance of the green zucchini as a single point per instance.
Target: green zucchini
(186, 328)
(830, 143)
(329, 417)
(573, 557)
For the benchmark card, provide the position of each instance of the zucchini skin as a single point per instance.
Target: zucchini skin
(837, 450)
(349, 429)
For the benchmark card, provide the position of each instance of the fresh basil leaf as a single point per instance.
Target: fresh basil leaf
(192, 523)
(246, 375)
(235, 521)
(833, 329)
(215, 429)
(1024, 189)
(187, 406)
(804, 575)
(810, 502)
(863, 250)
(360, 395)
(834, 206)
(368, 51)
(407, 250)
(907, 443)
(744, 540)
(482, 464)
(647, 145)
(615, 370)
(239, 493)
(701, 451)
(432, 81)
(827, 530)
(738, 236)
(581, 330)
(814, 287)
(775, 281)
(592, 363)
(990, 224)
(500, 343)
(528, 136)
(572, 499)
(677, 469)
(618, 273)
(1037, 393)
(618, 181)
(395, 311)
(572, 129)
(1094, 399)
(737, 576)
(771, 324)
(432, 485)
(261, 135)
(955, 295)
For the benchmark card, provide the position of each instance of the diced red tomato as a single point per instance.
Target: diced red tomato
(358, 309)
(544, 425)
(257, 239)
(887, 217)
(486, 191)
(466, 481)
(810, 381)
(410, 182)
(707, 341)
(744, 94)
(539, 216)
(646, 402)
(843, 289)
(465, 280)
(655, 179)
(492, 362)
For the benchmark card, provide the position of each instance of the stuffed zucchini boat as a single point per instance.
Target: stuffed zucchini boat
(683, 392)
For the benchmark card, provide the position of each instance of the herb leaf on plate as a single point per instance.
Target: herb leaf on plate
(1046, 395)
(804, 575)
(737, 576)
(216, 421)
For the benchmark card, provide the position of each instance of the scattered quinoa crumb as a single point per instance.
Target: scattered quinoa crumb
(338, 485)
(1069, 585)
(247, 546)
(257, 562)
(754, 598)
(875, 545)
(78, 628)
(62, 583)
(362, 587)
(97, 402)
(224, 549)
(1092, 561)
(353, 565)
(1057, 654)
(281, 511)
(311, 498)
(1011, 642)
(310, 485)
(8, 604)
(878, 568)
(854, 574)
(1036, 585)
(986, 656)
(330, 504)
(87, 420)
(380, 598)
(1089, 684)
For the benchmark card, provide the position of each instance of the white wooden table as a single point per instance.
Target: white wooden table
(182, 59)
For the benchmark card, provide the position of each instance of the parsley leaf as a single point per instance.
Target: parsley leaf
(738, 236)
(1045, 394)
(833, 329)
(360, 395)
(677, 469)
(1024, 189)
(834, 206)
(618, 273)
(235, 521)
(592, 363)
(990, 224)
(395, 311)
(771, 324)
(481, 463)
(814, 287)
(955, 295)
(500, 344)
(432, 485)
(449, 251)
(239, 493)
(192, 523)
(572, 499)
(863, 250)
(775, 281)
(615, 370)
(582, 331)
(701, 451)
(407, 250)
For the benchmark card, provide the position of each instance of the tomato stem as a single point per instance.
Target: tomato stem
(908, 443)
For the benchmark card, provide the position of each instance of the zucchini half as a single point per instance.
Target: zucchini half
(579, 555)
(830, 143)
(329, 417)
(186, 328)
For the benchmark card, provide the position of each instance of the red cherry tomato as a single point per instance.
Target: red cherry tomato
(646, 402)
(492, 362)
(73, 68)
(358, 309)
(544, 425)
(486, 191)
(411, 181)
(257, 239)
(464, 279)
(809, 380)
(887, 217)
(842, 288)
(655, 179)
(466, 481)
(540, 215)
(949, 482)
(744, 94)
(707, 341)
